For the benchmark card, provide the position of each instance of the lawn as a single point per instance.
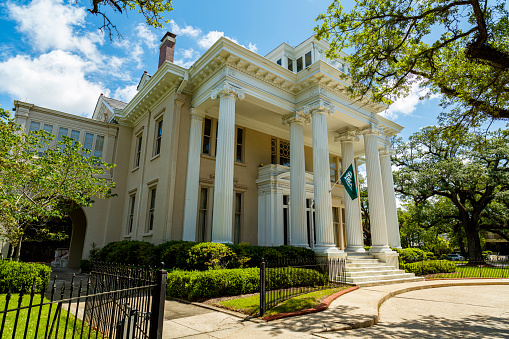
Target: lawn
(250, 305)
(475, 272)
(41, 328)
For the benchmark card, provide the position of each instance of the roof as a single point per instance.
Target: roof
(115, 104)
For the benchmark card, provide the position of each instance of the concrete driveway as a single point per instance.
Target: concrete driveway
(445, 312)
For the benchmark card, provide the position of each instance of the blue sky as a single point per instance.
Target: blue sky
(52, 54)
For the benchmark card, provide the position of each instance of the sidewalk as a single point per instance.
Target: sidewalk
(356, 309)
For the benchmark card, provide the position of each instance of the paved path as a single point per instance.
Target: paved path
(445, 312)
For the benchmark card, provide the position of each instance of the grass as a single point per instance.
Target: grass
(251, 305)
(34, 314)
(475, 272)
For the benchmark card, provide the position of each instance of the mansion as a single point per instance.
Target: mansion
(238, 148)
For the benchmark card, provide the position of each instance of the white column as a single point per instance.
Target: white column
(297, 179)
(352, 211)
(391, 211)
(375, 192)
(321, 179)
(225, 157)
(193, 176)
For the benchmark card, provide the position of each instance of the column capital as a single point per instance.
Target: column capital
(295, 117)
(386, 151)
(371, 129)
(320, 107)
(227, 89)
(348, 134)
(197, 114)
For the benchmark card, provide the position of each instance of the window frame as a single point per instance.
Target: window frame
(214, 127)
(152, 196)
(137, 153)
(158, 137)
(237, 229)
(131, 212)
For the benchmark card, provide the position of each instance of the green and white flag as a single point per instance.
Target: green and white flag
(348, 180)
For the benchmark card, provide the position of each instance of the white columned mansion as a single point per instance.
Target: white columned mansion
(238, 148)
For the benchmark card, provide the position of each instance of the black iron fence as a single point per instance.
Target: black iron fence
(115, 302)
(283, 280)
(494, 267)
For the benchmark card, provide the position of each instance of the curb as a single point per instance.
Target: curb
(322, 307)
(440, 283)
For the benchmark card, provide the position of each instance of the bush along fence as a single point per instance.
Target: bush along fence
(282, 280)
(115, 302)
(446, 269)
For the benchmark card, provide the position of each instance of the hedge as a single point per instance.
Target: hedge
(408, 255)
(189, 255)
(21, 276)
(192, 285)
(429, 267)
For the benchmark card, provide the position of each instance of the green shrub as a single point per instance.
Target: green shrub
(429, 267)
(192, 285)
(21, 276)
(210, 255)
(85, 265)
(174, 254)
(128, 252)
(253, 254)
(407, 255)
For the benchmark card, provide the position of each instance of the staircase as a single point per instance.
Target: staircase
(365, 270)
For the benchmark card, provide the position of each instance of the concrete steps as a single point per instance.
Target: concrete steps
(365, 270)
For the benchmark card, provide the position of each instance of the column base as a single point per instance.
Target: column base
(355, 249)
(380, 249)
(300, 245)
(328, 251)
(390, 259)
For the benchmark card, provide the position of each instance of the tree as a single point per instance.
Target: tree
(396, 44)
(466, 172)
(363, 196)
(152, 10)
(39, 183)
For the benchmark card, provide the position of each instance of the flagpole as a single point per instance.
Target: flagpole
(334, 185)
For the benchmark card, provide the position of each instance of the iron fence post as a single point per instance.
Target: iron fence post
(157, 311)
(262, 288)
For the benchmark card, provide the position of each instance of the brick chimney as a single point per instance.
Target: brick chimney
(167, 48)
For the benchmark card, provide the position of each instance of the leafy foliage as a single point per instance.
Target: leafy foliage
(429, 267)
(128, 252)
(20, 276)
(459, 178)
(39, 183)
(152, 10)
(216, 283)
(396, 46)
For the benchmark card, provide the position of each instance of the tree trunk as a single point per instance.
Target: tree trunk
(474, 243)
(18, 249)
(459, 236)
(11, 252)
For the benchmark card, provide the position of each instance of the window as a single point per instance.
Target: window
(62, 131)
(89, 139)
(299, 65)
(159, 133)
(290, 64)
(137, 155)
(286, 219)
(207, 135)
(279, 62)
(202, 215)
(99, 144)
(151, 208)
(210, 136)
(280, 152)
(239, 151)
(75, 135)
(333, 162)
(48, 129)
(237, 219)
(339, 226)
(307, 59)
(34, 126)
(130, 222)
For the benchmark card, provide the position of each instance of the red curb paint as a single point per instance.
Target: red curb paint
(322, 307)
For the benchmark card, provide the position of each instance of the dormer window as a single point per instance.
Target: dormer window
(299, 65)
(289, 63)
(307, 59)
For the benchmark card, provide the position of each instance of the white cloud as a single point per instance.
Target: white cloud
(209, 39)
(252, 47)
(407, 105)
(187, 57)
(125, 94)
(183, 31)
(50, 24)
(149, 38)
(56, 80)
